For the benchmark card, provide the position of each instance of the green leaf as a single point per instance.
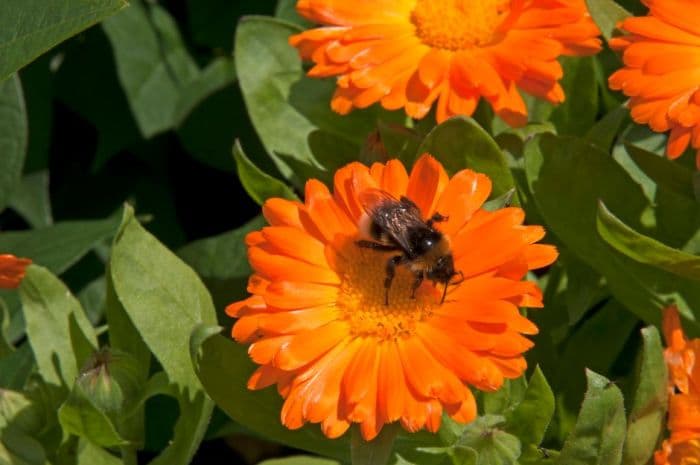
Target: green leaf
(16, 367)
(577, 114)
(300, 460)
(25, 35)
(283, 104)
(568, 177)
(153, 64)
(79, 416)
(13, 131)
(258, 184)
(222, 262)
(286, 10)
(58, 330)
(59, 246)
(220, 73)
(606, 14)
(604, 133)
(664, 172)
(531, 417)
(600, 428)
(494, 446)
(506, 398)
(648, 407)
(374, 452)
(223, 367)
(461, 143)
(164, 307)
(32, 201)
(644, 249)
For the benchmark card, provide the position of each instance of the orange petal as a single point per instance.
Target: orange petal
(12, 270)
(426, 183)
(308, 346)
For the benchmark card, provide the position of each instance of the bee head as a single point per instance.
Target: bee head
(443, 270)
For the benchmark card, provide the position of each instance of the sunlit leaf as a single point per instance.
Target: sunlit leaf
(600, 428)
(31, 199)
(259, 185)
(606, 14)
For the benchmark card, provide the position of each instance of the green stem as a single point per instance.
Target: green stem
(375, 452)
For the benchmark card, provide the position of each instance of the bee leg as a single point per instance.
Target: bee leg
(436, 218)
(376, 246)
(416, 283)
(390, 272)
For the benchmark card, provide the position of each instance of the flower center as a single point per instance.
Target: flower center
(361, 300)
(458, 24)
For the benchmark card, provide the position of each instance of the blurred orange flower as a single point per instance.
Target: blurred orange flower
(411, 53)
(683, 360)
(12, 270)
(319, 325)
(661, 54)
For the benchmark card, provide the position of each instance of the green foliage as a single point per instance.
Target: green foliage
(24, 36)
(13, 136)
(258, 184)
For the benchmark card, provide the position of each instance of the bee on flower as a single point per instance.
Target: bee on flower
(345, 344)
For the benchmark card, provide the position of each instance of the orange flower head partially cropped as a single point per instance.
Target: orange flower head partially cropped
(412, 53)
(343, 350)
(12, 270)
(661, 72)
(683, 361)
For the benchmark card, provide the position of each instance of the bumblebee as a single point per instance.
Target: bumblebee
(396, 225)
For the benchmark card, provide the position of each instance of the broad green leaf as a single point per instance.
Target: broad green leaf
(648, 407)
(218, 74)
(258, 184)
(24, 35)
(284, 106)
(16, 367)
(21, 421)
(59, 246)
(32, 201)
(644, 249)
(13, 130)
(300, 460)
(461, 143)
(60, 334)
(663, 171)
(222, 262)
(530, 419)
(577, 114)
(600, 428)
(90, 454)
(153, 64)
(606, 14)
(223, 367)
(568, 177)
(18, 448)
(92, 298)
(494, 446)
(374, 452)
(604, 133)
(400, 142)
(164, 307)
(506, 398)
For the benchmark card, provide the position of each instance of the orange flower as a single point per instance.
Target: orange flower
(661, 54)
(410, 53)
(12, 270)
(683, 360)
(320, 327)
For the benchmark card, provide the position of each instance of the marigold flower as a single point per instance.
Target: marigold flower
(411, 53)
(12, 270)
(661, 71)
(683, 361)
(318, 323)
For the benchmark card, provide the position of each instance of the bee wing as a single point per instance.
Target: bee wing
(372, 198)
(396, 218)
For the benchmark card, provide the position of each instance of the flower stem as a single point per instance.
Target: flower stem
(375, 452)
